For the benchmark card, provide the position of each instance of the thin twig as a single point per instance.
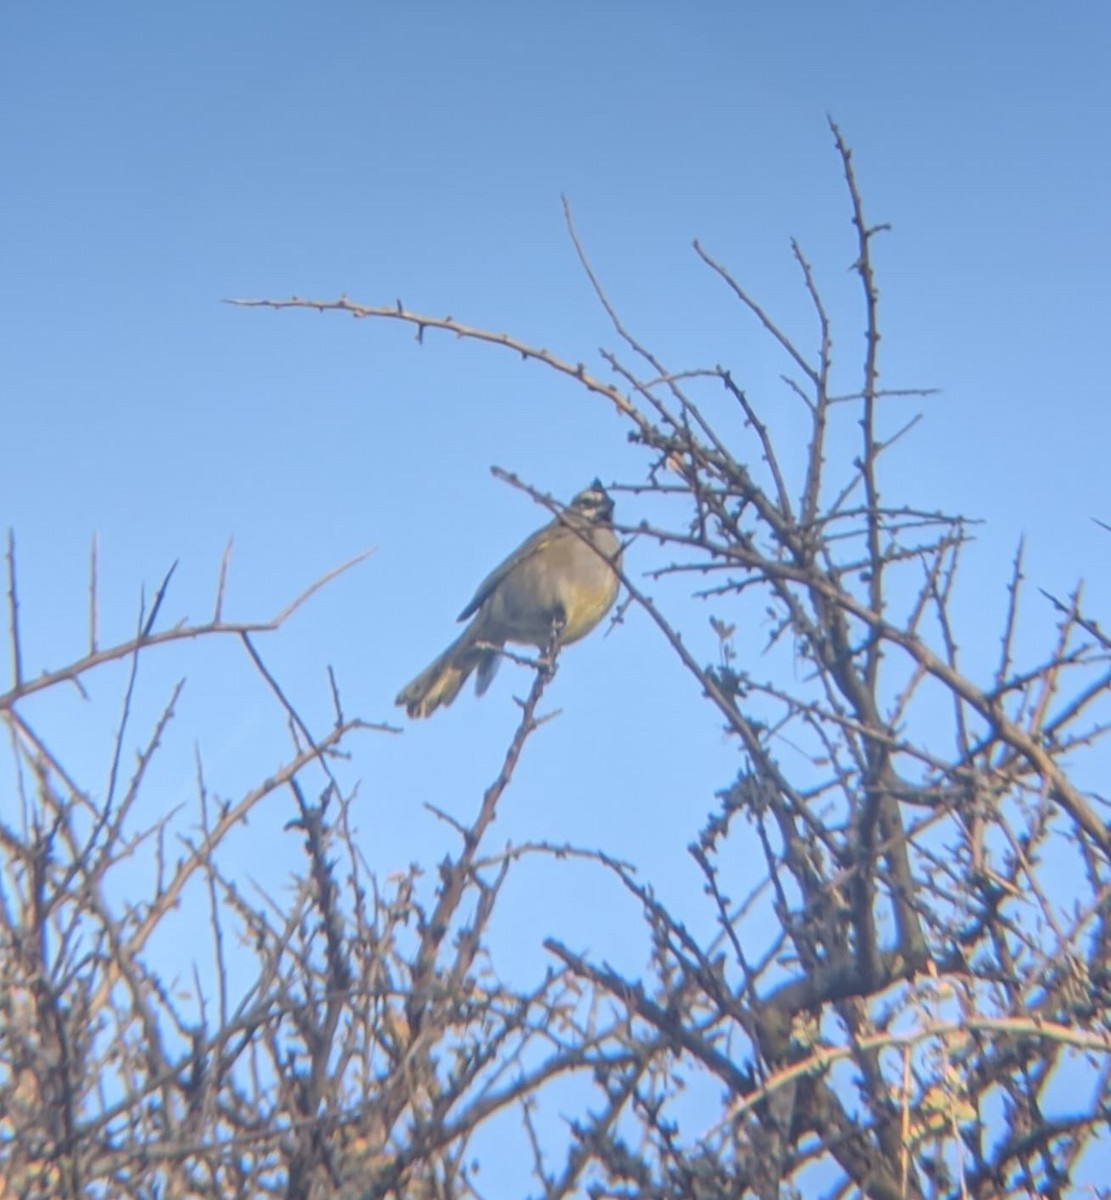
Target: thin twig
(13, 615)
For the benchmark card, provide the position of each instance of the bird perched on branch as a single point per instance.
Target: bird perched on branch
(556, 586)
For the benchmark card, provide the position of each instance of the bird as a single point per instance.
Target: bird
(554, 588)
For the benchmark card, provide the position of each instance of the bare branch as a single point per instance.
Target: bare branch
(13, 615)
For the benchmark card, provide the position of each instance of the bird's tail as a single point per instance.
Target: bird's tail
(439, 683)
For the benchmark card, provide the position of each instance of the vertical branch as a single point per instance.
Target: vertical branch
(820, 409)
(13, 614)
(225, 562)
(1013, 590)
(220, 964)
(863, 267)
(456, 874)
(145, 625)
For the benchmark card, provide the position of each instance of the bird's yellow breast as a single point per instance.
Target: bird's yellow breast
(585, 604)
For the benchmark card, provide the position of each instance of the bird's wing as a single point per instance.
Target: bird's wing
(530, 546)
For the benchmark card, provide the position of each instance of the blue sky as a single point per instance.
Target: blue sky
(159, 159)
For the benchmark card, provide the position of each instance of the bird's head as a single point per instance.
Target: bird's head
(593, 503)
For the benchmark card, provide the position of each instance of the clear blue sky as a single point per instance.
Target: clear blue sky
(158, 158)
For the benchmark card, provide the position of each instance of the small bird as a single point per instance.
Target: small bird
(559, 583)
